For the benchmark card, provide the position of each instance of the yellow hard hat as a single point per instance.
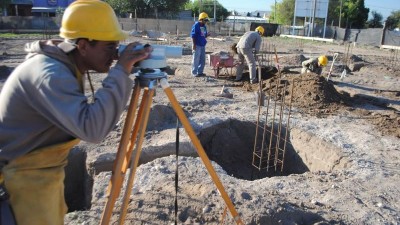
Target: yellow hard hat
(92, 19)
(203, 16)
(260, 29)
(323, 60)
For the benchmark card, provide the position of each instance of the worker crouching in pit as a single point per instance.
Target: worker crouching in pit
(314, 65)
(44, 111)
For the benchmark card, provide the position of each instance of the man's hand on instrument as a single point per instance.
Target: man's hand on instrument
(133, 53)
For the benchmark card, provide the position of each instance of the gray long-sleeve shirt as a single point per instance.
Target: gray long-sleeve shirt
(41, 103)
(250, 39)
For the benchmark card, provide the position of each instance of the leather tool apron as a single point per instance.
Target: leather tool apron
(35, 183)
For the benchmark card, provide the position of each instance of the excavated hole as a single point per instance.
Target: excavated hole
(231, 144)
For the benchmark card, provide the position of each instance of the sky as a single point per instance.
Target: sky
(384, 7)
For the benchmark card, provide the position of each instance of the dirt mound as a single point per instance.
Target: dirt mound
(312, 93)
(313, 89)
(295, 60)
(387, 124)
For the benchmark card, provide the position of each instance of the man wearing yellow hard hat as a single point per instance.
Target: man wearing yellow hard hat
(249, 45)
(314, 65)
(44, 111)
(199, 34)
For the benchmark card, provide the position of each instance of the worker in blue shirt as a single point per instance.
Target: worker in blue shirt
(199, 34)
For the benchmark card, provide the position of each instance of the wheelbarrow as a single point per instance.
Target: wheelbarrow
(220, 62)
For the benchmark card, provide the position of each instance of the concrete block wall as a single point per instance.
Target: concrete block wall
(181, 26)
(29, 22)
(340, 33)
(361, 36)
(371, 36)
(392, 38)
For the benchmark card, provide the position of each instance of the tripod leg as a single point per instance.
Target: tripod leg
(118, 174)
(147, 100)
(196, 142)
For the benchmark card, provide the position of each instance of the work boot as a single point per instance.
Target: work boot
(254, 81)
(238, 79)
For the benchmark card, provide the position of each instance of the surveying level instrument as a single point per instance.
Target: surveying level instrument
(134, 131)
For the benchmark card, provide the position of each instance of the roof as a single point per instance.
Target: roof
(22, 2)
(44, 9)
(249, 18)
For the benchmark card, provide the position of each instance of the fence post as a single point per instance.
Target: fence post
(383, 34)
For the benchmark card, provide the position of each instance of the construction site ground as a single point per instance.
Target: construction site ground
(341, 163)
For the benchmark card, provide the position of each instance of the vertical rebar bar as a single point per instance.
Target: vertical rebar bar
(259, 111)
(273, 121)
(275, 151)
(288, 123)
(278, 135)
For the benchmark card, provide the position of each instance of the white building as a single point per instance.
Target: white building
(245, 19)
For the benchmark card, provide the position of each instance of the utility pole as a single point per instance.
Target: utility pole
(340, 12)
(234, 21)
(275, 13)
(215, 11)
(313, 18)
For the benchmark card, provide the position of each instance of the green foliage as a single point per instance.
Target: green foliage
(208, 7)
(3, 5)
(60, 11)
(121, 7)
(8, 35)
(334, 12)
(354, 13)
(393, 21)
(30, 35)
(148, 8)
(284, 12)
(375, 21)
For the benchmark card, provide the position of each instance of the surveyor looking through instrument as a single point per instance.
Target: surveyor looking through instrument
(314, 65)
(44, 111)
(199, 36)
(249, 45)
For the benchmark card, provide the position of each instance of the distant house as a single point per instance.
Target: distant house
(36, 7)
(48, 7)
(263, 14)
(245, 19)
(256, 16)
(19, 8)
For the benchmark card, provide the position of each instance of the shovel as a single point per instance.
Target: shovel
(333, 62)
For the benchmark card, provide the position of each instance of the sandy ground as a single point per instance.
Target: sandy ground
(341, 163)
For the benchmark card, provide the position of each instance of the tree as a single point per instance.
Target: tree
(284, 12)
(208, 7)
(350, 13)
(3, 6)
(120, 7)
(375, 21)
(354, 13)
(393, 21)
(334, 12)
(148, 8)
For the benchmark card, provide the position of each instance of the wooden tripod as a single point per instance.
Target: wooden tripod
(130, 137)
